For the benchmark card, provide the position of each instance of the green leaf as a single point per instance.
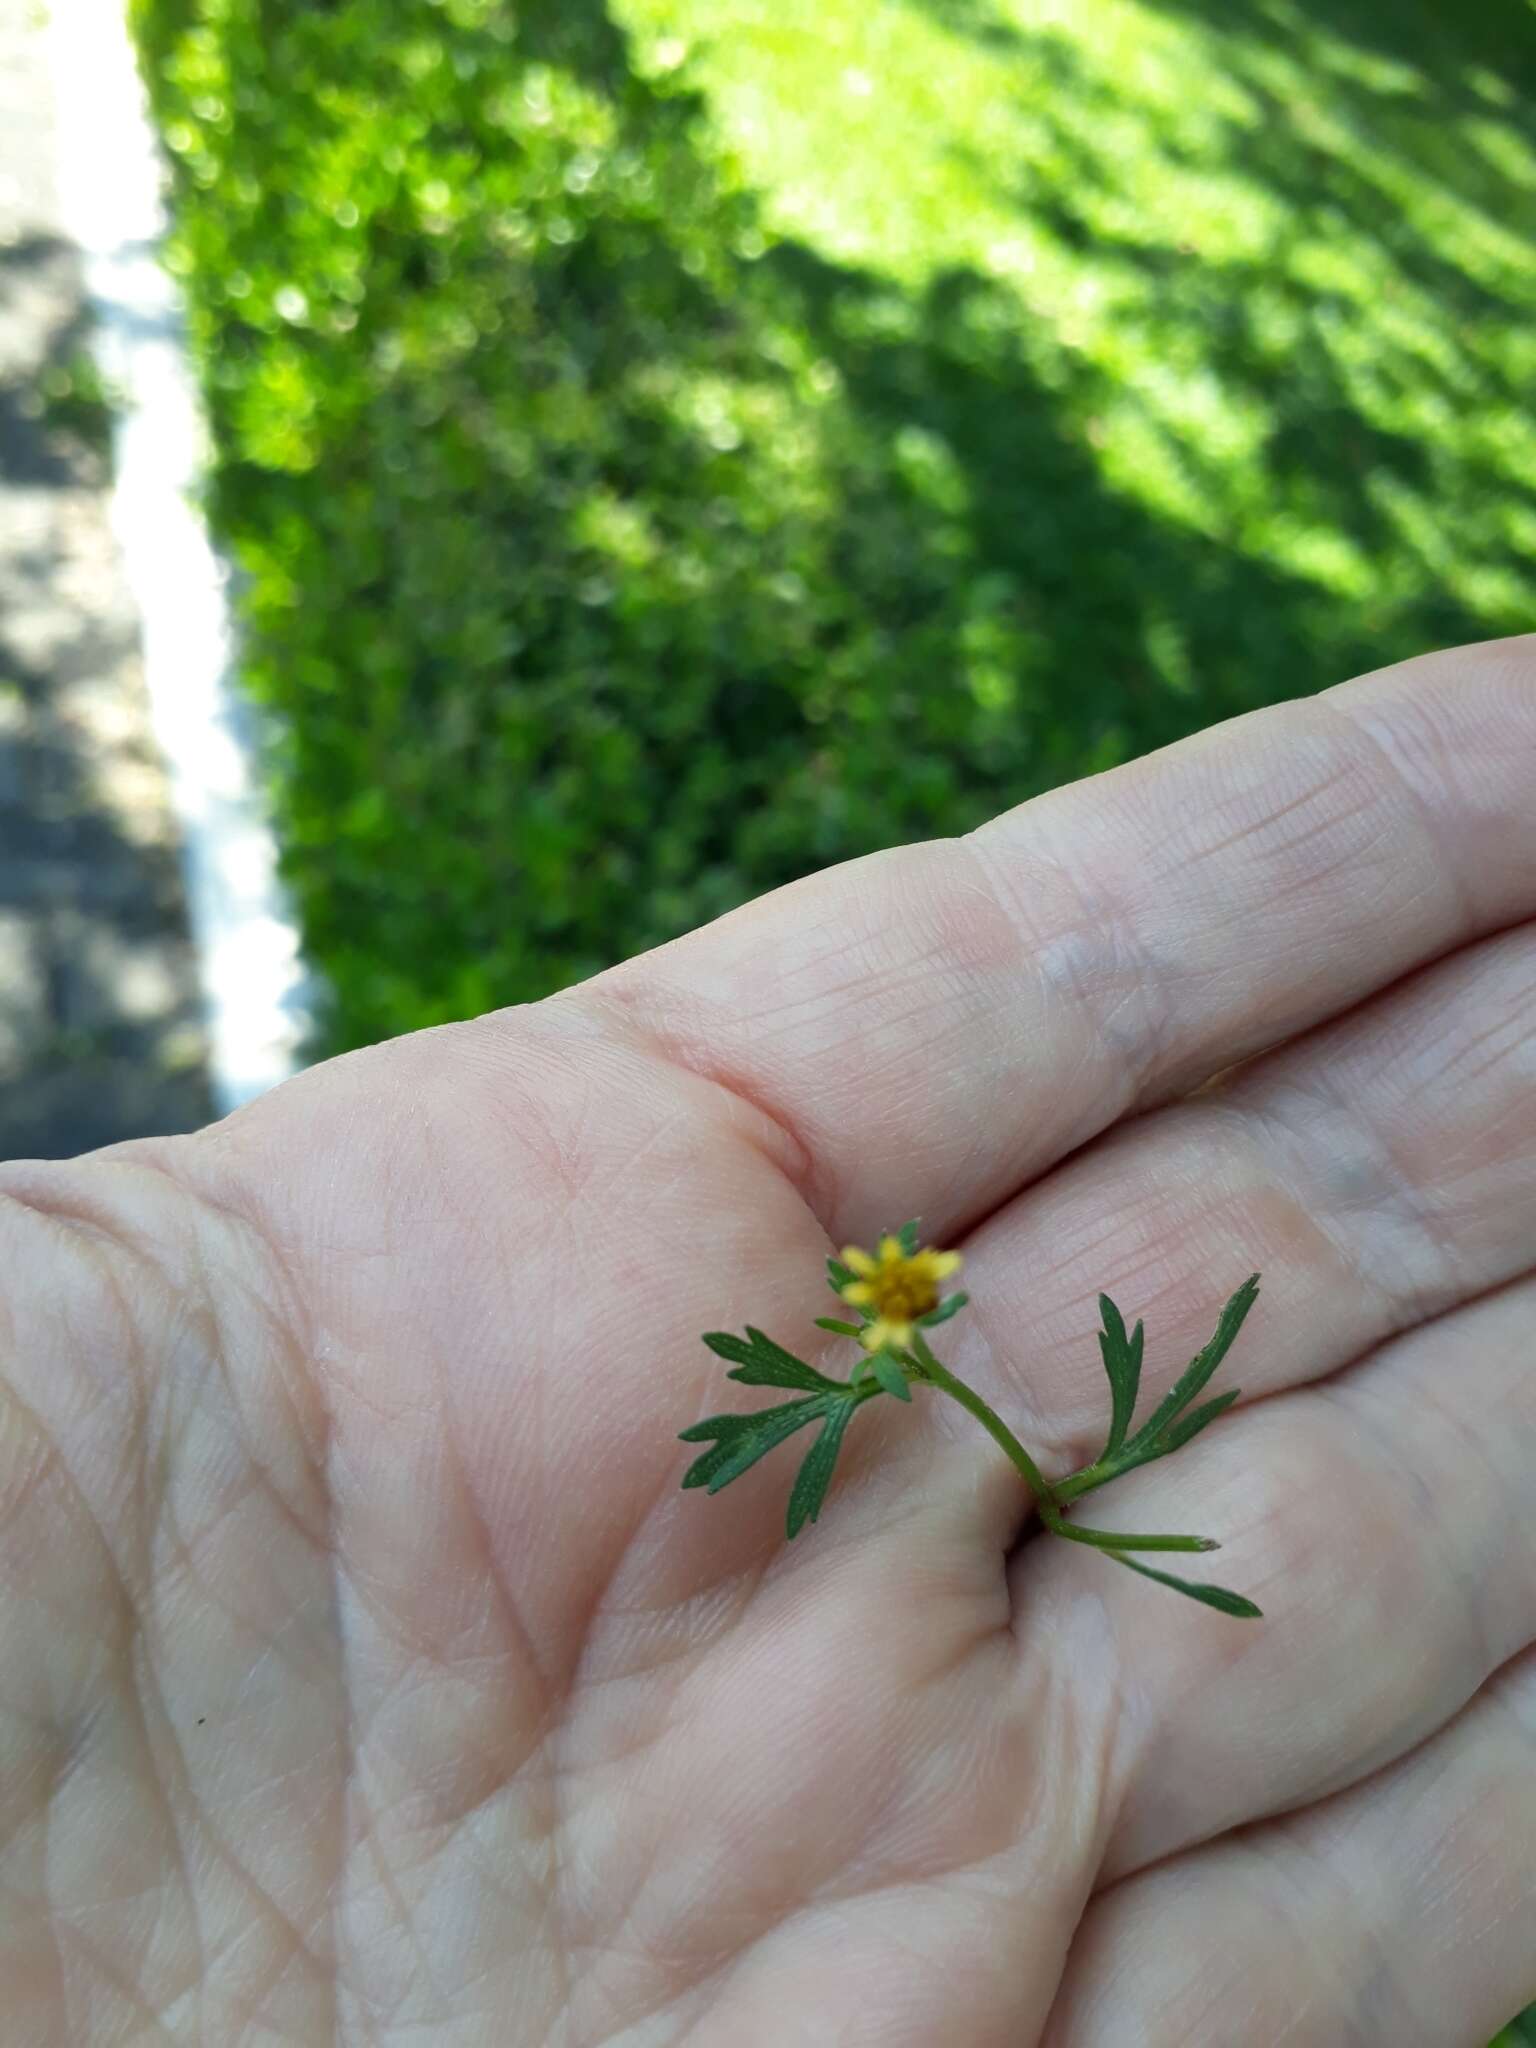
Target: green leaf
(890, 1375)
(950, 1307)
(1122, 1362)
(839, 1275)
(815, 1475)
(1200, 1367)
(1209, 1596)
(841, 1329)
(906, 1237)
(742, 1439)
(726, 1344)
(1179, 1433)
(760, 1362)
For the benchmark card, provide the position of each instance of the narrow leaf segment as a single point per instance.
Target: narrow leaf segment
(1122, 1362)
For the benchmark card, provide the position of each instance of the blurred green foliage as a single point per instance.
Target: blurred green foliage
(671, 447)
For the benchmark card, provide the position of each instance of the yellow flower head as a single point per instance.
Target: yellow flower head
(899, 1287)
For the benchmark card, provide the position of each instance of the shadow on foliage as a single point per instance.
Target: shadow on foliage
(1322, 450)
(1070, 579)
(1443, 44)
(611, 560)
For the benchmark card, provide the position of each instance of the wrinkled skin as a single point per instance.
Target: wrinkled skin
(368, 1679)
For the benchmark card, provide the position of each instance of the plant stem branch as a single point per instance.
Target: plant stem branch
(941, 1377)
(1119, 1539)
(1048, 1499)
(1088, 1477)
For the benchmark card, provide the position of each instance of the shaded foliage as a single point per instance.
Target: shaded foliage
(611, 554)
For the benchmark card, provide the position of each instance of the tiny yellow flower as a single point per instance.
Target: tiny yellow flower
(899, 1289)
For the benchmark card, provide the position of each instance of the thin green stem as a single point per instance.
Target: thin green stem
(1118, 1539)
(1102, 1470)
(1049, 1500)
(1076, 1484)
(941, 1377)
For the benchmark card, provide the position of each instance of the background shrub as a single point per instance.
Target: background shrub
(656, 472)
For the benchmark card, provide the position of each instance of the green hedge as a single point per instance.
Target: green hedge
(611, 551)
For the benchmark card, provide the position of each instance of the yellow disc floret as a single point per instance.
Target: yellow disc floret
(898, 1287)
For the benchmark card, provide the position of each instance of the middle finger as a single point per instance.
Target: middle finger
(1377, 1173)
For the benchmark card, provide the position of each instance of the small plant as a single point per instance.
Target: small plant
(896, 1292)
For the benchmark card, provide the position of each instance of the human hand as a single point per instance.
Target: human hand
(368, 1678)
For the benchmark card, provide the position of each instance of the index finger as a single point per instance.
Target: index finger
(936, 1025)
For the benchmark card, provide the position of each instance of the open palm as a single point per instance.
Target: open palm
(368, 1678)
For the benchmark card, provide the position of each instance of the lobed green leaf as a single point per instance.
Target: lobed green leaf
(1178, 1433)
(1200, 1367)
(742, 1439)
(759, 1362)
(815, 1475)
(1122, 1362)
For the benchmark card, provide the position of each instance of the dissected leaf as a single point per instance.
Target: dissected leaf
(1201, 1366)
(890, 1375)
(740, 1440)
(726, 1344)
(815, 1475)
(1122, 1362)
(1179, 1432)
(1209, 1596)
(944, 1311)
(759, 1362)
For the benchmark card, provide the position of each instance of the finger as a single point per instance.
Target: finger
(1400, 1913)
(1385, 1523)
(939, 1024)
(1376, 1172)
